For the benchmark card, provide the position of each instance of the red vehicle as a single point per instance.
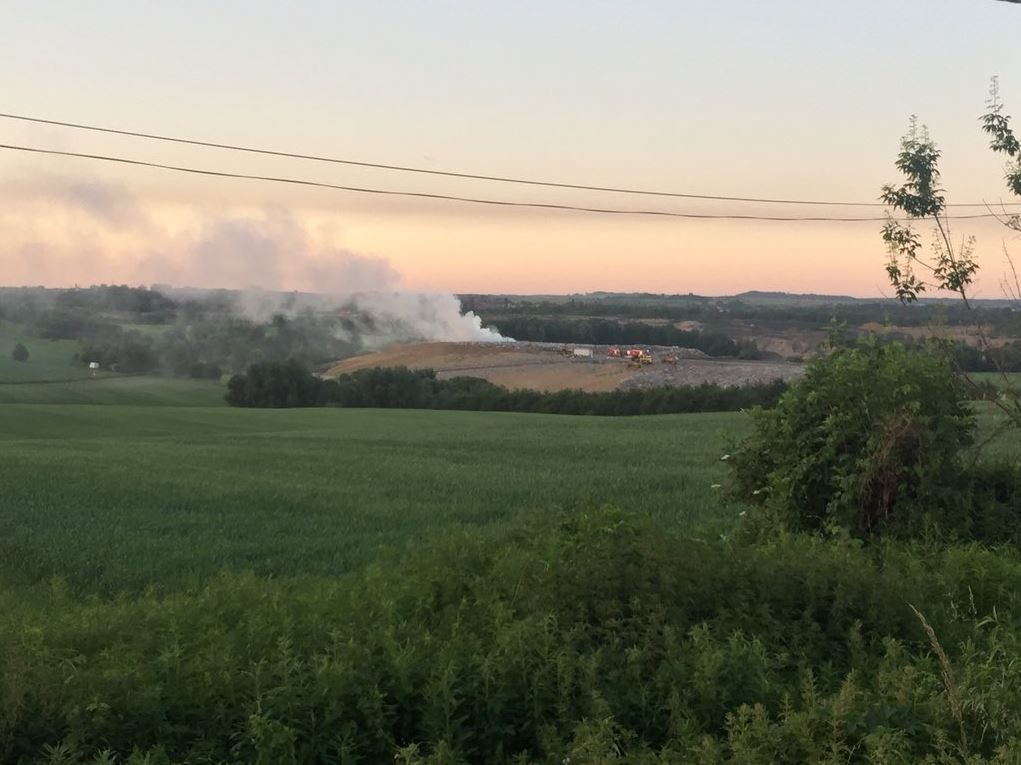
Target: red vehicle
(615, 352)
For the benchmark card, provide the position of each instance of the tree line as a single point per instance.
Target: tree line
(289, 384)
(999, 318)
(608, 332)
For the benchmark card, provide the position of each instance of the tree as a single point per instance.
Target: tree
(20, 353)
(275, 384)
(950, 267)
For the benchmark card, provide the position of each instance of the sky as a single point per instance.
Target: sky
(788, 99)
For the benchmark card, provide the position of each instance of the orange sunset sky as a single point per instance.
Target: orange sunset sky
(789, 99)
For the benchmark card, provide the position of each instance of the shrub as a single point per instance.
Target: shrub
(20, 353)
(870, 439)
(598, 638)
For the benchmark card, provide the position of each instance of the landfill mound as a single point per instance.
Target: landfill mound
(556, 366)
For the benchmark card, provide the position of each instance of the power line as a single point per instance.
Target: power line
(453, 198)
(454, 174)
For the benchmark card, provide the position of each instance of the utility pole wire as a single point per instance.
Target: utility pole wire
(450, 197)
(453, 174)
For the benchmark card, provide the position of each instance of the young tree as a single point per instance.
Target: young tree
(949, 266)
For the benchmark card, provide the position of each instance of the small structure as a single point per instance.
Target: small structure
(94, 365)
(585, 353)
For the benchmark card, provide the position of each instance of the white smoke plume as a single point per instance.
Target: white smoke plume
(408, 316)
(59, 232)
(374, 318)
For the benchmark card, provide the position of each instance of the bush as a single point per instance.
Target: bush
(869, 440)
(20, 353)
(599, 638)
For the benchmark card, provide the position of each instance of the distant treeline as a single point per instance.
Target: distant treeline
(276, 385)
(607, 332)
(1006, 358)
(712, 311)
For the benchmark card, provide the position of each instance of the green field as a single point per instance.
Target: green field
(120, 497)
(124, 496)
(137, 391)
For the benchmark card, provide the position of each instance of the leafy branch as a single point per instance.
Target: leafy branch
(949, 267)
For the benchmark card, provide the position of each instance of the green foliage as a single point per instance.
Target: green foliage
(871, 439)
(1002, 140)
(592, 638)
(20, 353)
(921, 197)
(288, 385)
(270, 384)
(951, 268)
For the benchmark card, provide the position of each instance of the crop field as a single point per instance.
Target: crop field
(121, 497)
(138, 391)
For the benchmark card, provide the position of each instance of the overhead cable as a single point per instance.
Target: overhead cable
(451, 197)
(455, 174)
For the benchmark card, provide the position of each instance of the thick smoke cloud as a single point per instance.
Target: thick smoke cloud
(61, 232)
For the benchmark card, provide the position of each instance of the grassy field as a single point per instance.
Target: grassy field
(164, 485)
(112, 497)
(147, 391)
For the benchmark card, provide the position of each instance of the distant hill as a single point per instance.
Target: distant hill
(758, 296)
(754, 297)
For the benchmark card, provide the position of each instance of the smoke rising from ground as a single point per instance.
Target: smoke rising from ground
(62, 232)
